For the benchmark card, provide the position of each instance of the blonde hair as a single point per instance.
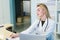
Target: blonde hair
(47, 14)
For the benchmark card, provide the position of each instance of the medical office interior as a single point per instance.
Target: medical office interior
(18, 15)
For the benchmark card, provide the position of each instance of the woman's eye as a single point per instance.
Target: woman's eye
(38, 9)
(43, 9)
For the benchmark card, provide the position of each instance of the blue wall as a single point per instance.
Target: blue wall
(12, 12)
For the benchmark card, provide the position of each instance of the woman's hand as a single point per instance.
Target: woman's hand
(14, 35)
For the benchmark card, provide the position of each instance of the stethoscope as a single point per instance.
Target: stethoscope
(38, 27)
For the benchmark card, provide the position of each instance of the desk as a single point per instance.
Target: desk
(4, 33)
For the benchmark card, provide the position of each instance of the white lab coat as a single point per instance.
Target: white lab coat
(49, 30)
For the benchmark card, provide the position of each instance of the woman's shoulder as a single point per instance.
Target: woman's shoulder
(51, 20)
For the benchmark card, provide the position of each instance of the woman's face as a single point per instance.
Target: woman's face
(41, 11)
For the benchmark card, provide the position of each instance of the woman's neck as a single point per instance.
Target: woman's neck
(43, 18)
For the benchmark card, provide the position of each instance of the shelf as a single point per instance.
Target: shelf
(49, 1)
(46, 1)
(58, 1)
(58, 33)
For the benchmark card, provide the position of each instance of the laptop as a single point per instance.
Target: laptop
(31, 37)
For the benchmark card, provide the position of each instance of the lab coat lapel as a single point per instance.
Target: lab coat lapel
(44, 25)
(40, 26)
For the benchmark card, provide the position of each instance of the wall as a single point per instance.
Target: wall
(50, 4)
(4, 12)
(33, 10)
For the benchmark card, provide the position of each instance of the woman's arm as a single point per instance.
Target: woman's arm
(30, 28)
(25, 31)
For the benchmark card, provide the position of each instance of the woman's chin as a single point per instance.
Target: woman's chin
(39, 17)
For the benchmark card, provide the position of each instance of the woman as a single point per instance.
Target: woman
(44, 25)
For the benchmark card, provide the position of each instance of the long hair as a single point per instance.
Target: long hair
(47, 14)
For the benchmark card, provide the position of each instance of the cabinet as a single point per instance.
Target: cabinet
(58, 17)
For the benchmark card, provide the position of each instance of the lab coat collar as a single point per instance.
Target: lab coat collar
(44, 25)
